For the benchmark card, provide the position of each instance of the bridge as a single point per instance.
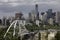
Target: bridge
(18, 29)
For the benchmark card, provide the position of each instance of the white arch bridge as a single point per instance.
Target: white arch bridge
(20, 26)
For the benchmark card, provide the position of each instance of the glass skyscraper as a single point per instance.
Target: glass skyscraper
(49, 13)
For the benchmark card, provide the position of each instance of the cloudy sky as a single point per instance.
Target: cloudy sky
(10, 7)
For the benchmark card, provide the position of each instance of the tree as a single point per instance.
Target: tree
(32, 27)
(0, 21)
(57, 36)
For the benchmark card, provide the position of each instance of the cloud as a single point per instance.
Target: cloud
(29, 2)
(8, 7)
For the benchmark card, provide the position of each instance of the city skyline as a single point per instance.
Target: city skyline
(9, 7)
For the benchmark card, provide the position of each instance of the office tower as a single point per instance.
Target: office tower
(32, 15)
(44, 17)
(36, 8)
(51, 20)
(37, 13)
(54, 17)
(58, 17)
(49, 13)
(51, 16)
(18, 15)
(42, 13)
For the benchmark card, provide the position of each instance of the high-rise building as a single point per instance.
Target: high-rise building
(32, 15)
(54, 17)
(44, 17)
(58, 17)
(42, 14)
(37, 12)
(36, 8)
(18, 16)
(49, 13)
(51, 16)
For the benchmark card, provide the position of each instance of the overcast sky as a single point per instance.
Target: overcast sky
(10, 7)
